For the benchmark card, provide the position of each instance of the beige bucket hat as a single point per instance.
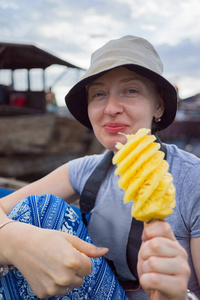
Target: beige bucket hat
(135, 54)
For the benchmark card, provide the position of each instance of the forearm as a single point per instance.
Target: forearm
(56, 183)
(13, 235)
(5, 238)
(36, 188)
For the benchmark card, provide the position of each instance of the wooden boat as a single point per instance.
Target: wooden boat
(35, 141)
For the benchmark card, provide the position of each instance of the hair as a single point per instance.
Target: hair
(155, 126)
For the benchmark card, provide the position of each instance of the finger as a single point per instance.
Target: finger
(161, 283)
(157, 228)
(160, 246)
(86, 248)
(139, 266)
(63, 291)
(71, 279)
(76, 263)
(167, 266)
(57, 284)
(85, 266)
(61, 288)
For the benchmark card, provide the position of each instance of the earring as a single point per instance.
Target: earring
(157, 120)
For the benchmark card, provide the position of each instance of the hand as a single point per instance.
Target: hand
(162, 263)
(50, 260)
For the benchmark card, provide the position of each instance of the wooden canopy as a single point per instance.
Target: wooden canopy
(24, 56)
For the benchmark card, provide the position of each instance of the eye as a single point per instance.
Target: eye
(132, 91)
(95, 95)
(98, 94)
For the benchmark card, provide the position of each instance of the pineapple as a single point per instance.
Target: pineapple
(143, 174)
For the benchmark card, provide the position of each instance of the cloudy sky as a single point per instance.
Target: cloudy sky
(73, 29)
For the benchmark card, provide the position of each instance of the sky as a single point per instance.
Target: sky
(73, 29)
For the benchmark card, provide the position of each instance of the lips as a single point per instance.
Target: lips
(114, 127)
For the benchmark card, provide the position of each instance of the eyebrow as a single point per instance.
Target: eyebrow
(121, 81)
(94, 84)
(130, 79)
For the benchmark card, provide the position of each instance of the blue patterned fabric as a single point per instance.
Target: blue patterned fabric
(51, 212)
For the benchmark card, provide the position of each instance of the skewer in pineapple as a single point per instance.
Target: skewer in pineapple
(143, 174)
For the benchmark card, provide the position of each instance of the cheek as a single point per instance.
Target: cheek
(143, 110)
(150, 107)
(142, 115)
(93, 112)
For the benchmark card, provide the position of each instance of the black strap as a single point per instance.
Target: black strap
(91, 188)
(162, 147)
(133, 245)
(129, 285)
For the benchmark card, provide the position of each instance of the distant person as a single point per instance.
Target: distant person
(122, 91)
(50, 99)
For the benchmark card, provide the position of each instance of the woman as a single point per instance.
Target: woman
(122, 91)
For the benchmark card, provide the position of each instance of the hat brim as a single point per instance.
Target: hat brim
(76, 99)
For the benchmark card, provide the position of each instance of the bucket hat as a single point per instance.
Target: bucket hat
(135, 54)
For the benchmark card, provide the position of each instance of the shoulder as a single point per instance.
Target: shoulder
(86, 162)
(80, 169)
(185, 169)
(181, 160)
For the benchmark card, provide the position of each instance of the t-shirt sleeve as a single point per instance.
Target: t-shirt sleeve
(191, 197)
(80, 169)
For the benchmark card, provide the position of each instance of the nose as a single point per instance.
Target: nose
(113, 105)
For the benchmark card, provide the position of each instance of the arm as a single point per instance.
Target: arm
(56, 183)
(162, 264)
(195, 250)
(48, 274)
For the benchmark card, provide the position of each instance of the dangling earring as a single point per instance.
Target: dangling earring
(157, 119)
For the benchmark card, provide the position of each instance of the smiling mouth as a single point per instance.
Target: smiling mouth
(115, 128)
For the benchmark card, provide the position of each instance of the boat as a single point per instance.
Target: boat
(35, 139)
(25, 57)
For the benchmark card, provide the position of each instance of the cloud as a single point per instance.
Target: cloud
(73, 30)
(182, 58)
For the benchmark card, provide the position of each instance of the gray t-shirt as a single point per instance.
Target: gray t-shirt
(110, 220)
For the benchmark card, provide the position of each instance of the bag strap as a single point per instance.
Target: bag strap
(92, 186)
(133, 245)
(162, 147)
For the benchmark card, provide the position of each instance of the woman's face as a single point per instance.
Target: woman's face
(122, 101)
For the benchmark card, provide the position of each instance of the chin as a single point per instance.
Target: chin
(110, 144)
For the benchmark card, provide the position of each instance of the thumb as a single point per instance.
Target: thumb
(86, 248)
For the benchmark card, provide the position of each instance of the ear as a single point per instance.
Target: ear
(159, 108)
